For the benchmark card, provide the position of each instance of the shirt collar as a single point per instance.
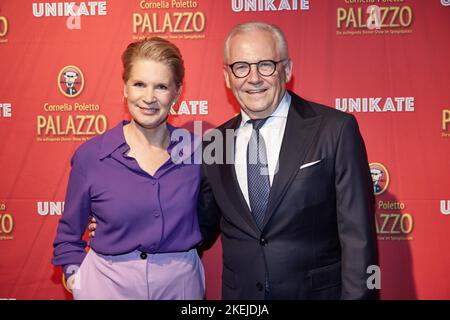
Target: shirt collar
(112, 139)
(281, 110)
(115, 138)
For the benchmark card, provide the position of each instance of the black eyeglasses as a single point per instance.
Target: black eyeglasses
(266, 68)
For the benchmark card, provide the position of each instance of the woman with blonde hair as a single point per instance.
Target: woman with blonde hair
(143, 201)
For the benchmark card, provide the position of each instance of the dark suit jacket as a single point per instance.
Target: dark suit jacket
(318, 237)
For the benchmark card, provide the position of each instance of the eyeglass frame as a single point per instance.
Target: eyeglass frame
(257, 67)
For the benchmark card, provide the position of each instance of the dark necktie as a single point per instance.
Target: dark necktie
(257, 173)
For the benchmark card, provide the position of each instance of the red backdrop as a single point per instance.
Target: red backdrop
(387, 62)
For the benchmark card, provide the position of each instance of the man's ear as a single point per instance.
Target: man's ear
(288, 69)
(227, 77)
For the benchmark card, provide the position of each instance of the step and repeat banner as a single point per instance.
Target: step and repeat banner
(385, 61)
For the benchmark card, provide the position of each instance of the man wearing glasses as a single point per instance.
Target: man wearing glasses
(295, 208)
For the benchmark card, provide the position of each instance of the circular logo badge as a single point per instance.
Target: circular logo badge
(380, 177)
(70, 81)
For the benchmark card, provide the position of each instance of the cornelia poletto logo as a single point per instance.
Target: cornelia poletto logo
(380, 177)
(71, 81)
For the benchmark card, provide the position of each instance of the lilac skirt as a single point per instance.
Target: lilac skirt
(161, 276)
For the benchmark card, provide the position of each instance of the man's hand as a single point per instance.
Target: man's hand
(91, 227)
(71, 282)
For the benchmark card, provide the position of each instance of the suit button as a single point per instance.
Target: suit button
(263, 242)
(259, 286)
(143, 255)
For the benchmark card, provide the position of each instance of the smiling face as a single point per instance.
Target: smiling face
(257, 95)
(150, 91)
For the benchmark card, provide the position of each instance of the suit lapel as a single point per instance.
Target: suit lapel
(230, 182)
(301, 129)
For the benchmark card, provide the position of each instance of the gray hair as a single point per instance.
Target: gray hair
(280, 39)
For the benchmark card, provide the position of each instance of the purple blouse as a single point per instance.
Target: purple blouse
(134, 210)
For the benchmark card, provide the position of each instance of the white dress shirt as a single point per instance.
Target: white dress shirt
(272, 132)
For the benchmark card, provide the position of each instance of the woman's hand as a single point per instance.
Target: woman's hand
(91, 227)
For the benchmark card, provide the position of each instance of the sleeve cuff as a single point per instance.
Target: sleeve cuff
(70, 269)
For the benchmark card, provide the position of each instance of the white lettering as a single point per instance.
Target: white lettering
(374, 281)
(6, 110)
(50, 208)
(445, 210)
(389, 104)
(268, 5)
(284, 5)
(194, 310)
(191, 108)
(69, 9)
(73, 22)
(304, 5)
